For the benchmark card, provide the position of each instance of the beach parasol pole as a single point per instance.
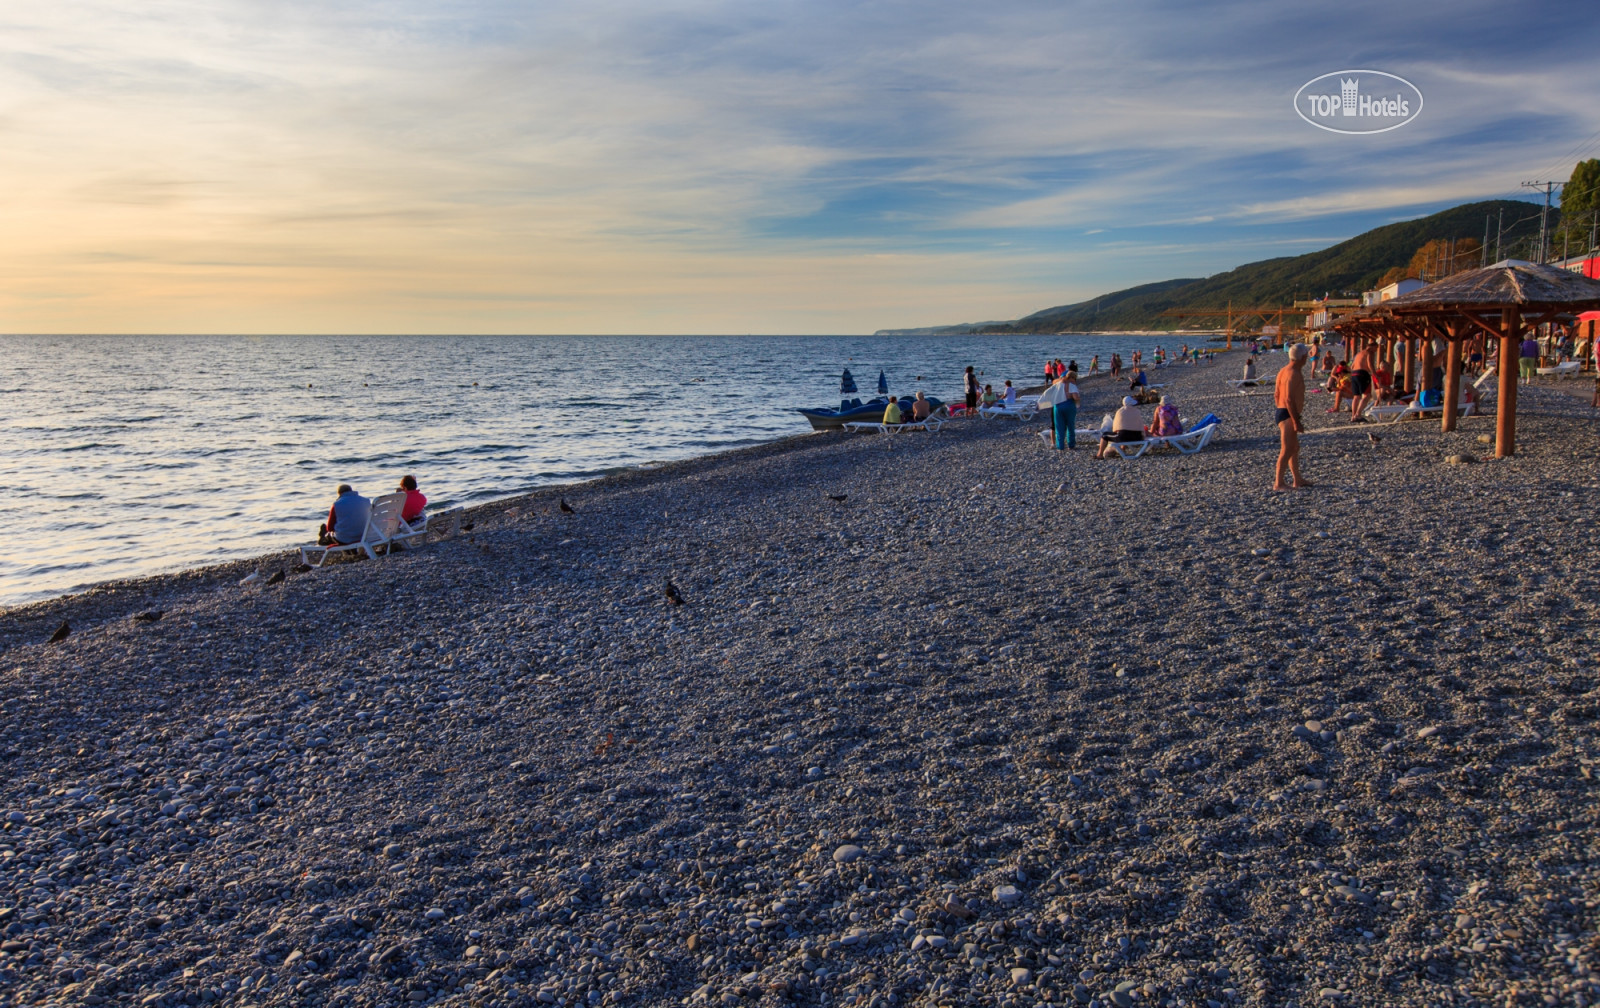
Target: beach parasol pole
(1505, 429)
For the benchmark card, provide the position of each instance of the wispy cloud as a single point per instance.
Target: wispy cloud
(608, 165)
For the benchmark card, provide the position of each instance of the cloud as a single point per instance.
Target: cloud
(228, 164)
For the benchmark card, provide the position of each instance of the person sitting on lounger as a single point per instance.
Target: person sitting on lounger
(1166, 422)
(988, 396)
(347, 519)
(921, 409)
(1250, 369)
(1382, 383)
(1008, 395)
(1127, 425)
(891, 415)
(415, 502)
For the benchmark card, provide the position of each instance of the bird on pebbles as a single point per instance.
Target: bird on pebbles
(671, 591)
(841, 498)
(61, 632)
(566, 508)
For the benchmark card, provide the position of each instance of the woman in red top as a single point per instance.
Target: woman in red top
(415, 502)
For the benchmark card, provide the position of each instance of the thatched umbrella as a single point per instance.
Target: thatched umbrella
(1504, 300)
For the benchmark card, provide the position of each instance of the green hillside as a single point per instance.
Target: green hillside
(1344, 269)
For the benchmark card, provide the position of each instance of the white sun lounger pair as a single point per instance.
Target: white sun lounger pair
(1565, 369)
(1395, 412)
(1186, 443)
(931, 425)
(1021, 411)
(384, 527)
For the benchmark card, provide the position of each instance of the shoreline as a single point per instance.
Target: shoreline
(1004, 726)
(153, 585)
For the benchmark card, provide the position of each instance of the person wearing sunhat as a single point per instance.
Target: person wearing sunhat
(1126, 425)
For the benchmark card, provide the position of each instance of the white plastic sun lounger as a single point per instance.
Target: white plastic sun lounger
(1395, 412)
(1186, 443)
(931, 425)
(410, 531)
(382, 524)
(1563, 370)
(1022, 411)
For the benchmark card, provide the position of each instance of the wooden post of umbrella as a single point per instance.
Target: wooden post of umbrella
(1407, 372)
(1452, 377)
(1505, 428)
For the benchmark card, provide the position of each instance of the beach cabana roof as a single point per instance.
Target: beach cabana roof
(1526, 285)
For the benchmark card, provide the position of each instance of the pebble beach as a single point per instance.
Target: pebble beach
(1003, 726)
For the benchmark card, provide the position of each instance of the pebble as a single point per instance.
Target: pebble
(847, 853)
(504, 762)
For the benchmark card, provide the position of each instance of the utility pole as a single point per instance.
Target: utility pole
(1544, 218)
(1499, 226)
(1483, 250)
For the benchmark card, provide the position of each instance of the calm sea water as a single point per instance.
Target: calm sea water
(128, 455)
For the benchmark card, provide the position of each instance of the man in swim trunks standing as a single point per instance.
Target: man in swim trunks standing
(1289, 396)
(1361, 384)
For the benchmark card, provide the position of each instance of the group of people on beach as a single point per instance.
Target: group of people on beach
(347, 518)
(1127, 424)
(919, 412)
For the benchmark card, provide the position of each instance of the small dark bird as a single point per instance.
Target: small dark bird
(301, 568)
(149, 615)
(671, 590)
(277, 578)
(467, 526)
(566, 508)
(1373, 437)
(838, 497)
(61, 632)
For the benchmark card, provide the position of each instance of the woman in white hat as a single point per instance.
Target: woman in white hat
(1127, 425)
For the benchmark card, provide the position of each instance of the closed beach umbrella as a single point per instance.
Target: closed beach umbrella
(847, 384)
(883, 384)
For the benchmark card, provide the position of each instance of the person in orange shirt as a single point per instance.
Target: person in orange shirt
(1289, 396)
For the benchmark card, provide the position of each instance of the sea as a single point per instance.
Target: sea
(130, 455)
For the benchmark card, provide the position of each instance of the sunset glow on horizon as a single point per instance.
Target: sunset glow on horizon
(719, 167)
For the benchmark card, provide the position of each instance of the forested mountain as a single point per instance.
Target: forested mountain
(1344, 269)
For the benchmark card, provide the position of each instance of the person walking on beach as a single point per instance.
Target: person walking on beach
(1360, 384)
(1289, 396)
(1116, 366)
(1094, 364)
(972, 389)
(1529, 359)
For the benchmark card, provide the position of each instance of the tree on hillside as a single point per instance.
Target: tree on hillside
(1395, 274)
(1441, 257)
(1580, 210)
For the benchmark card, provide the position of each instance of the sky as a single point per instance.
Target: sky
(718, 167)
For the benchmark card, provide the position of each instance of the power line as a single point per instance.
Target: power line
(1544, 218)
(1577, 152)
